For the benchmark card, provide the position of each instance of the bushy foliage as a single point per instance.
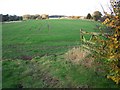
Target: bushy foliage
(8, 17)
(89, 16)
(97, 15)
(113, 42)
(107, 45)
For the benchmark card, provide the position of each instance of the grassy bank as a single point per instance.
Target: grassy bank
(34, 55)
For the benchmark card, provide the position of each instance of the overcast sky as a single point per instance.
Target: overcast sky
(52, 7)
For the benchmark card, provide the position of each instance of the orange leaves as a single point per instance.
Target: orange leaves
(116, 17)
(113, 43)
(107, 20)
(109, 47)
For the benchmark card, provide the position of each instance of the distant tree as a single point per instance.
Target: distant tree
(44, 16)
(89, 16)
(26, 17)
(14, 18)
(20, 18)
(37, 16)
(0, 17)
(11, 18)
(32, 17)
(5, 17)
(97, 15)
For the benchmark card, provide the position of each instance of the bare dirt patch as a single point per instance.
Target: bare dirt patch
(24, 57)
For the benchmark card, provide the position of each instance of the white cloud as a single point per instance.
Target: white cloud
(64, 7)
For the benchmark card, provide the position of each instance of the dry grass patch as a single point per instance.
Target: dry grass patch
(80, 56)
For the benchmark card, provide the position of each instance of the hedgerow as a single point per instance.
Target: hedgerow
(113, 42)
(106, 46)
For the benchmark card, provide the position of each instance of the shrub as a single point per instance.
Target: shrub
(97, 15)
(113, 42)
(89, 16)
(107, 45)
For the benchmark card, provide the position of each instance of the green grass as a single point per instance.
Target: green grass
(33, 37)
(48, 72)
(46, 42)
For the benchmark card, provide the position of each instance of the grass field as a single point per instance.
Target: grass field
(33, 55)
(33, 37)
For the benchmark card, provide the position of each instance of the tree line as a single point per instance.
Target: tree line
(96, 16)
(8, 17)
(36, 17)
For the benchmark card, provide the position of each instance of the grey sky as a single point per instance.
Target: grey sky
(52, 7)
